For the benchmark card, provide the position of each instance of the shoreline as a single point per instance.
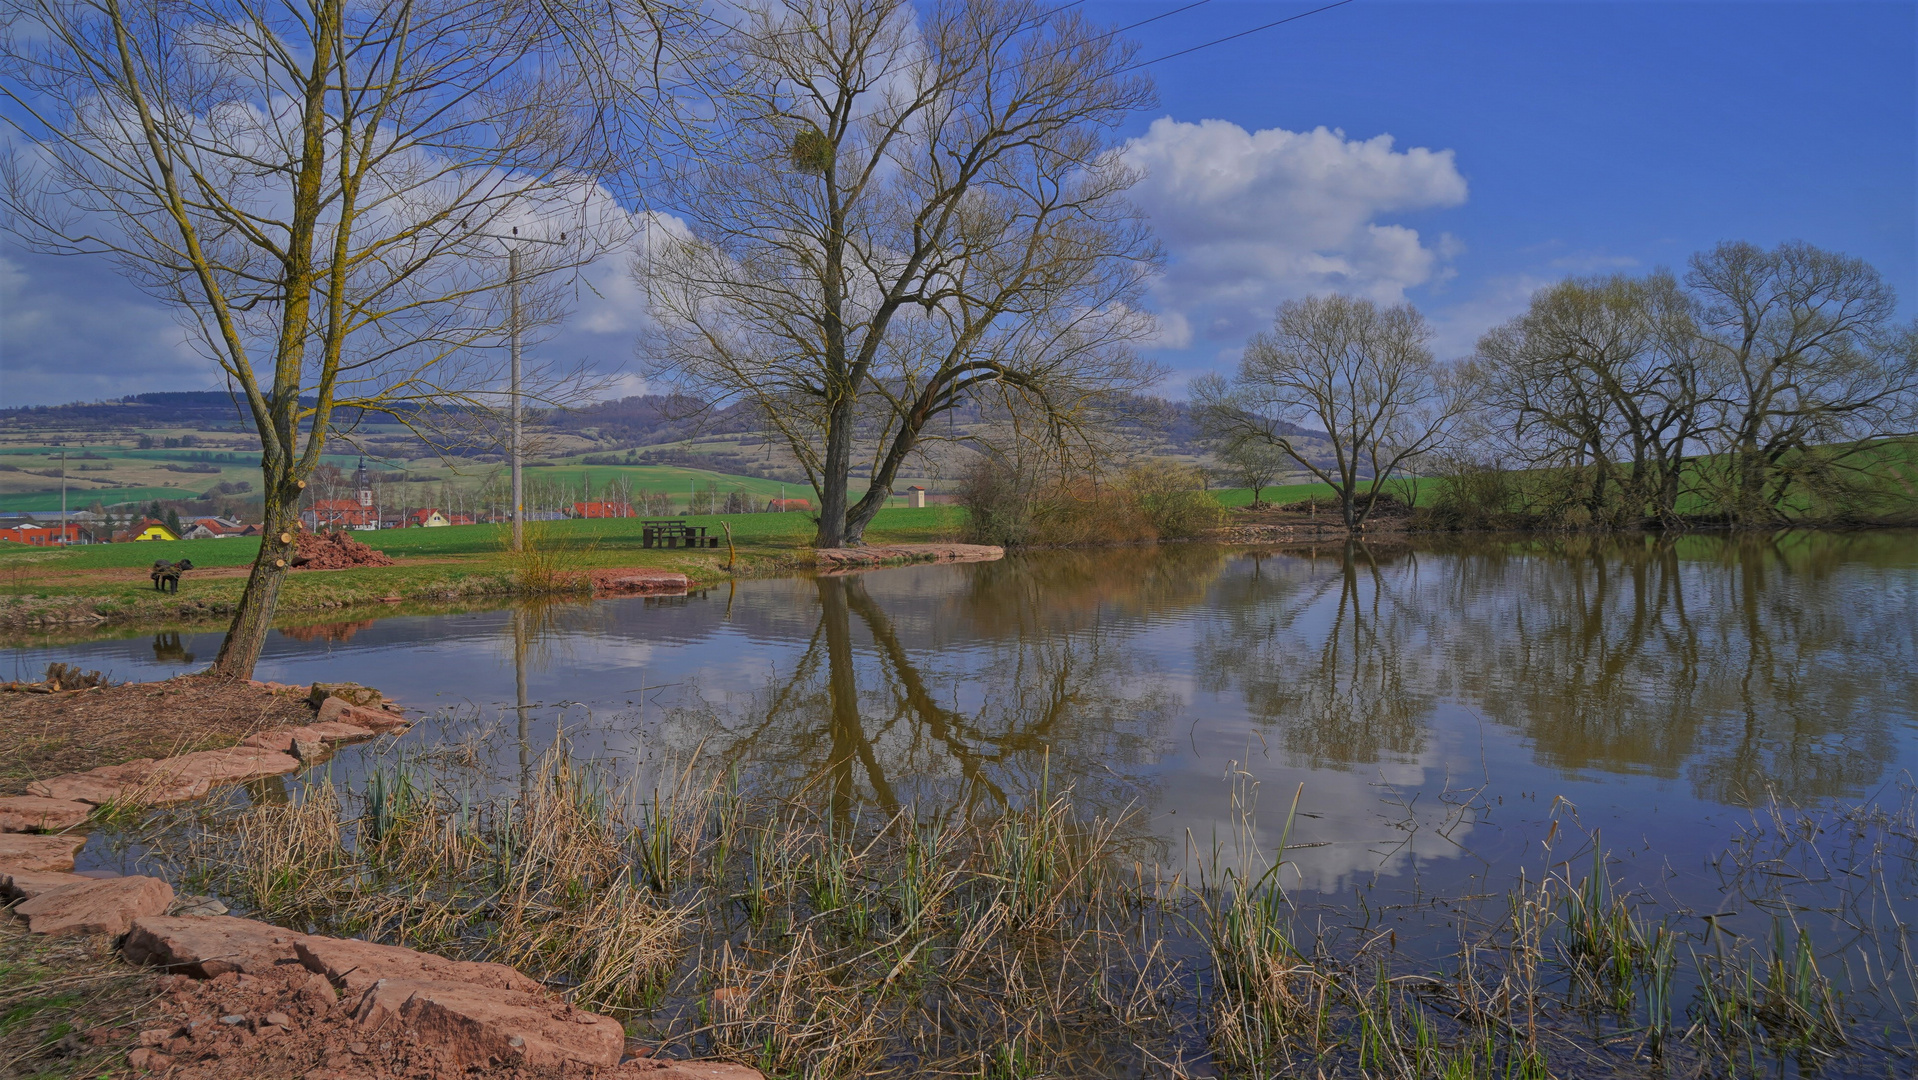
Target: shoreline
(27, 620)
(451, 585)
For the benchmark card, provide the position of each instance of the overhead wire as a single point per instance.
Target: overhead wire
(1235, 37)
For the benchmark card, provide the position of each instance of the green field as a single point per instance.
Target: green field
(605, 540)
(456, 564)
(80, 500)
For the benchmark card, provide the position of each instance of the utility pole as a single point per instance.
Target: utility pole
(512, 294)
(515, 325)
(63, 493)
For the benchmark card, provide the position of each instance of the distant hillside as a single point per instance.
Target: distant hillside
(657, 430)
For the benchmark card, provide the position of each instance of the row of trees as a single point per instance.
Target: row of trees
(1759, 388)
(359, 208)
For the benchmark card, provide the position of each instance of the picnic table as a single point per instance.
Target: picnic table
(670, 533)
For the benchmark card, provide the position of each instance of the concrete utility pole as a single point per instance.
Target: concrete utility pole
(519, 501)
(515, 323)
(63, 494)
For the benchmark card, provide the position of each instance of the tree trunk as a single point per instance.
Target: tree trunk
(867, 508)
(244, 639)
(832, 486)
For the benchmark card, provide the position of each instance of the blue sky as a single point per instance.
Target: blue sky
(1593, 137)
(1528, 141)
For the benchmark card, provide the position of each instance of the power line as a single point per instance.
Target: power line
(1240, 34)
(1108, 35)
(1153, 19)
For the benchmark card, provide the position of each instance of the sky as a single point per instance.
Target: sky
(1454, 155)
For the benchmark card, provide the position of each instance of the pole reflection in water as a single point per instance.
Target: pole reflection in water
(522, 615)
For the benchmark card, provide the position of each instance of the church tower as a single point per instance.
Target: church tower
(366, 486)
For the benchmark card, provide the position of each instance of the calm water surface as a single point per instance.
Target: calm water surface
(1438, 704)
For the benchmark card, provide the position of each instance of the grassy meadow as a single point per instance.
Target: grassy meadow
(442, 565)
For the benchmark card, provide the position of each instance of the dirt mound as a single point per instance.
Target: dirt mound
(287, 1021)
(335, 551)
(53, 734)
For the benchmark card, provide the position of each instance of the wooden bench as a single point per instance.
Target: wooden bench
(669, 533)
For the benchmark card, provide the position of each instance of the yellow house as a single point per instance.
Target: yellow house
(153, 530)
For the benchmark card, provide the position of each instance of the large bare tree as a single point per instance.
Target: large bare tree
(321, 187)
(1360, 373)
(1600, 377)
(901, 210)
(1812, 367)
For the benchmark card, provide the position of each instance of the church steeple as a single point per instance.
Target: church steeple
(364, 485)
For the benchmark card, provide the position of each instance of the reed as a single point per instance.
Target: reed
(811, 938)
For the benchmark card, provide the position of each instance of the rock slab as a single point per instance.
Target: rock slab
(209, 946)
(339, 711)
(146, 782)
(36, 854)
(351, 693)
(478, 1026)
(662, 1069)
(283, 740)
(639, 580)
(37, 813)
(354, 966)
(26, 884)
(95, 907)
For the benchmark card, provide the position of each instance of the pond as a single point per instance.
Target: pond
(1418, 726)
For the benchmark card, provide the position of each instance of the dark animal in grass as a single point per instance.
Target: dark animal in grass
(166, 575)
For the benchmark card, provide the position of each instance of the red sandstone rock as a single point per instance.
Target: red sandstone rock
(229, 765)
(638, 580)
(281, 740)
(831, 559)
(278, 740)
(207, 947)
(141, 780)
(37, 813)
(148, 1060)
(25, 852)
(356, 965)
(95, 907)
(478, 1026)
(351, 693)
(339, 711)
(659, 1069)
(336, 732)
(25, 885)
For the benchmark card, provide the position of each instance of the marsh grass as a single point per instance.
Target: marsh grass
(549, 560)
(811, 937)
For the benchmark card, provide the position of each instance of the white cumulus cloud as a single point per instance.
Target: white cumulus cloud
(1251, 218)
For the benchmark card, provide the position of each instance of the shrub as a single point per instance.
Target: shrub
(1171, 498)
(1152, 500)
(998, 504)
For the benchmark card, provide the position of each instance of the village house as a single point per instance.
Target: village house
(602, 510)
(355, 513)
(148, 529)
(35, 534)
(215, 528)
(427, 518)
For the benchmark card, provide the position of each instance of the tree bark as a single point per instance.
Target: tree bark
(832, 486)
(245, 638)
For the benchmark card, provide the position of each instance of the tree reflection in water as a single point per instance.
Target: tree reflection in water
(1023, 679)
(1747, 664)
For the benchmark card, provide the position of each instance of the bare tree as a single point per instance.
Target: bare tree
(903, 210)
(317, 185)
(1360, 372)
(1599, 377)
(1811, 363)
(1247, 459)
